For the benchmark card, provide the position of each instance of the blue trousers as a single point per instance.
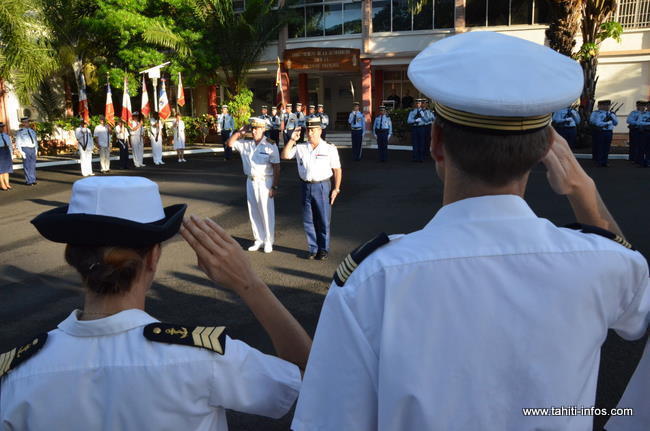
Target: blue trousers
(418, 142)
(570, 134)
(357, 137)
(316, 213)
(602, 140)
(643, 148)
(124, 153)
(227, 151)
(29, 164)
(382, 144)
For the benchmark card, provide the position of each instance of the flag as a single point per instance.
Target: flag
(278, 76)
(164, 110)
(126, 103)
(145, 109)
(180, 99)
(352, 90)
(83, 99)
(109, 111)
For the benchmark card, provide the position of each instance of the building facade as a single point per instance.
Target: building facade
(340, 48)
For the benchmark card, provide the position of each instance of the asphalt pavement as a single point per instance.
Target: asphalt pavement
(38, 290)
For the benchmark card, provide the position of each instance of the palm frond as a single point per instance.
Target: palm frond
(161, 35)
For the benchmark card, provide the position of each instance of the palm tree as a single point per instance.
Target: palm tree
(238, 38)
(25, 59)
(566, 16)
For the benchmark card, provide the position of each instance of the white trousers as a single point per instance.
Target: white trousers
(137, 148)
(86, 159)
(261, 209)
(157, 150)
(105, 158)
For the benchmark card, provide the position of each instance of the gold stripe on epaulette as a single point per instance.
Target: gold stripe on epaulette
(345, 268)
(5, 361)
(208, 337)
(619, 239)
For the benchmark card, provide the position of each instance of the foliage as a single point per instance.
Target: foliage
(589, 50)
(25, 59)
(240, 107)
(237, 39)
(47, 101)
(197, 129)
(398, 118)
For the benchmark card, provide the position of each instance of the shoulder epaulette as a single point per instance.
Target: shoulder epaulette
(208, 337)
(585, 228)
(357, 256)
(16, 356)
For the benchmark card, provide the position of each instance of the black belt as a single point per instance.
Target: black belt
(382, 130)
(314, 182)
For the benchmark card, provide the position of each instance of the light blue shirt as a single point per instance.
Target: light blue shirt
(324, 120)
(566, 117)
(26, 138)
(301, 119)
(604, 120)
(633, 118)
(420, 120)
(429, 116)
(382, 121)
(355, 120)
(290, 120)
(276, 121)
(226, 122)
(643, 122)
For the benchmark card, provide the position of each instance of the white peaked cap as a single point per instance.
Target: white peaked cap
(131, 198)
(494, 75)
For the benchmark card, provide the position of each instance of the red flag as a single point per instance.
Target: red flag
(83, 100)
(145, 108)
(126, 103)
(180, 99)
(164, 110)
(109, 111)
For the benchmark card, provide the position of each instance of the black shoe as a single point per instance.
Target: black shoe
(321, 255)
(311, 256)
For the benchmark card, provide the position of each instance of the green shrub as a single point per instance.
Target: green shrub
(240, 107)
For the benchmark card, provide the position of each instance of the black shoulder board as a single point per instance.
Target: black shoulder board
(209, 337)
(357, 256)
(585, 228)
(16, 356)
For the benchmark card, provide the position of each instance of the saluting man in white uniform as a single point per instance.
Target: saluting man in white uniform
(261, 163)
(488, 310)
(85, 144)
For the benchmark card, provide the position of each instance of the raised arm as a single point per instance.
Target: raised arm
(225, 263)
(288, 151)
(566, 177)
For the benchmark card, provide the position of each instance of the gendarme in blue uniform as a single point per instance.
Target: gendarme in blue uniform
(383, 130)
(635, 141)
(418, 120)
(356, 122)
(603, 122)
(566, 121)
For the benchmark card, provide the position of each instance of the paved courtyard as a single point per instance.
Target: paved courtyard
(37, 288)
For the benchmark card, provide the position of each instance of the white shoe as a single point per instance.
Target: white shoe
(256, 246)
(268, 247)
(161, 163)
(183, 160)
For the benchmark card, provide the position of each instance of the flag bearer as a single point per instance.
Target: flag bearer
(85, 144)
(383, 130)
(356, 122)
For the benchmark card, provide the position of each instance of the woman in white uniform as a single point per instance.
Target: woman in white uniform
(179, 137)
(137, 140)
(261, 163)
(156, 139)
(112, 366)
(85, 144)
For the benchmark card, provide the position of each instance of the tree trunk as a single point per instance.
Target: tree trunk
(69, 112)
(212, 101)
(565, 24)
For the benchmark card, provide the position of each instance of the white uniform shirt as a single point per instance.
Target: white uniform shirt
(315, 164)
(461, 325)
(155, 130)
(84, 138)
(179, 131)
(26, 138)
(122, 132)
(257, 159)
(105, 375)
(102, 135)
(137, 130)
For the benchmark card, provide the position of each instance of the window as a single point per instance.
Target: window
(634, 13)
(395, 15)
(329, 18)
(481, 13)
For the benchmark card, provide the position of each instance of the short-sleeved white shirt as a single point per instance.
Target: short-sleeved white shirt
(459, 326)
(101, 133)
(257, 160)
(315, 164)
(105, 375)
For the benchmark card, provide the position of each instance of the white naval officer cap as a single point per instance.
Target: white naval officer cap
(491, 81)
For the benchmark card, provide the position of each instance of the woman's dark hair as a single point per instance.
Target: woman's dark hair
(106, 270)
(492, 158)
